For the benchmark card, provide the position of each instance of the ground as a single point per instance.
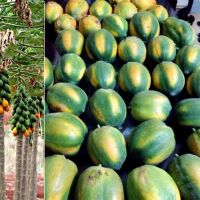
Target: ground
(10, 187)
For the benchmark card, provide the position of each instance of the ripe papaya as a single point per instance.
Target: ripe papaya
(15, 131)
(26, 133)
(1, 109)
(7, 108)
(52, 11)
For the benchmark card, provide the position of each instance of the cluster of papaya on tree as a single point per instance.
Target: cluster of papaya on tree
(5, 93)
(40, 106)
(26, 110)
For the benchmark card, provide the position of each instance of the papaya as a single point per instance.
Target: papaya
(70, 68)
(1, 83)
(1, 110)
(15, 131)
(193, 83)
(8, 96)
(179, 31)
(27, 123)
(66, 97)
(48, 74)
(125, 9)
(5, 103)
(185, 170)
(60, 174)
(187, 112)
(77, 8)
(37, 115)
(64, 133)
(132, 49)
(168, 78)
(21, 119)
(101, 45)
(150, 104)
(150, 182)
(23, 128)
(143, 4)
(193, 142)
(4, 78)
(98, 182)
(2, 93)
(101, 75)
(144, 25)
(89, 24)
(64, 22)
(162, 48)
(106, 146)
(133, 78)
(188, 58)
(158, 144)
(26, 133)
(108, 107)
(52, 11)
(69, 41)
(116, 25)
(100, 9)
(7, 88)
(18, 126)
(160, 12)
(29, 130)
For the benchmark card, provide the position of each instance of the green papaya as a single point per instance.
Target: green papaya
(60, 174)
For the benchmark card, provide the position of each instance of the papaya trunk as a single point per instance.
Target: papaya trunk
(2, 161)
(24, 169)
(28, 172)
(33, 174)
(18, 169)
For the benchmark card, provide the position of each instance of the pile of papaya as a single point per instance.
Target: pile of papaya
(122, 106)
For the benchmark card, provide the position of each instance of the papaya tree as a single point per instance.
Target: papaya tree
(33, 170)
(32, 110)
(20, 125)
(32, 107)
(24, 111)
(5, 98)
(6, 38)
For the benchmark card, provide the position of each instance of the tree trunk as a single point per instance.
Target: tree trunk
(24, 169)
(28, 174)
(2, 161)
(18, 169)
(33, 174)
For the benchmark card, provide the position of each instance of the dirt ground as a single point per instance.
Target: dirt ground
(10, 187)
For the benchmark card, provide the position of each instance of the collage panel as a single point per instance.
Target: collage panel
(21, 100)
(122, 100)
